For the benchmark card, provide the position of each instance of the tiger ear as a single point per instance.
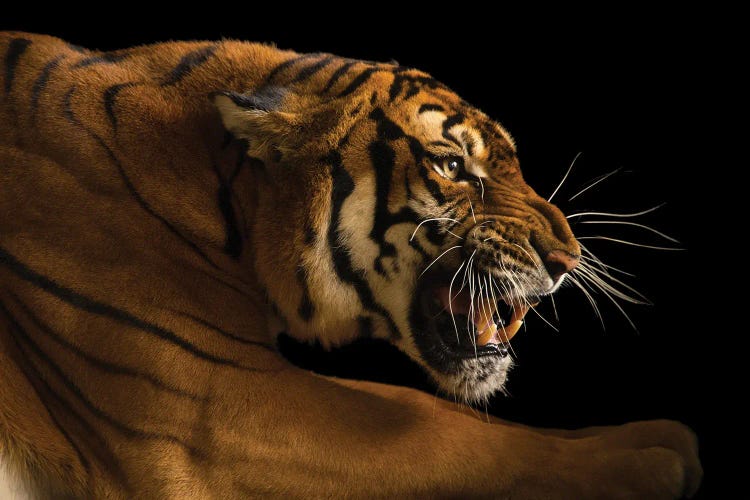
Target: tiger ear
(257, 117)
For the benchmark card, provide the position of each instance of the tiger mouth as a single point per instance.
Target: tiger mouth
(470, 321)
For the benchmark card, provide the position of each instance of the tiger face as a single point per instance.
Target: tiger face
(389, 207)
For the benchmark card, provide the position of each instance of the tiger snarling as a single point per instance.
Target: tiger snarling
(168, 210)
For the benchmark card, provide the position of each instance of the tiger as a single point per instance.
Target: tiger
(169, 210)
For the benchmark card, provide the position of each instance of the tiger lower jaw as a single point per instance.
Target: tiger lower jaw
(463, 342)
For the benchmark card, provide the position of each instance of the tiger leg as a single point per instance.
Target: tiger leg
(649, 459)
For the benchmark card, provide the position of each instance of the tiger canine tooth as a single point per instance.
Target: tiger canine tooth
(510, 331)
(488, 334)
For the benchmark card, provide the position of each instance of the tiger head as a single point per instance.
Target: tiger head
(389, 207)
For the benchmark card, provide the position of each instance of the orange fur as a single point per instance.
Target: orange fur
(145, 266)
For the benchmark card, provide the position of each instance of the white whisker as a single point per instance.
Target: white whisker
(599, 263)
(607, 238)
(596, 181)
(590, 299)
(438, 258)
(450, 298)
(473, 216)
(593, 270)
(564, 177)
(430, 220)
(609, 214)
(554, 308)
(635, 224)
(544, 319)
(616, 304)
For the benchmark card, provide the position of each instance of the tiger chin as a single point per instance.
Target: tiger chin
(179, 205)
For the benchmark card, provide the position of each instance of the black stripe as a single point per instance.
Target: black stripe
(107, 58)
(121, 316)
(16, 48)
(337, 75)
(41, 82)
(105, 366)
(449, 123)
(233, 240)
(468, 142)
(68, 105)
(383, 159)
(18, 331)
(413, 90)
(100, 450)
(225, 333)
(310, 71)
(286, 64)
(142, 202)
(396, 87)
(110, 97)
(188, 63)
(55, 421)
(417, 150)
(357, 82)
(424, 108)
(306, 309)
(220, 281)
(343, 187)
(419, 248)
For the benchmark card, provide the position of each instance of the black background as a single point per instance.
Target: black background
(625, 91)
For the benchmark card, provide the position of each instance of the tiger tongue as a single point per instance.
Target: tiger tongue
(481, 315)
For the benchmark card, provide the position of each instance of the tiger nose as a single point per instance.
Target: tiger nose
(559, 262)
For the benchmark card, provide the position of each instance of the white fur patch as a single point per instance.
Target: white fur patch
(10, 487)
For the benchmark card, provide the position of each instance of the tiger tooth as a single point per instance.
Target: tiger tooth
(488, 334)
(510, 331)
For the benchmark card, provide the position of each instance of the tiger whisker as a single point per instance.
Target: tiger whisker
(564, 177)
(437, 259)
(538, 266)
(586, 258)
(625, 242)
(606, 293)
(635, 224)
(464, 279)
(603, 285)
(589, 297)
(471, 207)
(587, 267)
(450, 298)
(610, 214)
(554, 307)
(544, 319)
(596, 181)
(505, 334)
(596, 260)
(433, 219)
